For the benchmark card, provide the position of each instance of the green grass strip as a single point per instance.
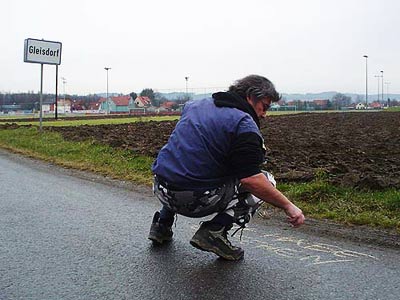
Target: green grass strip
(88, 155)
(396, 108)
(321, 200)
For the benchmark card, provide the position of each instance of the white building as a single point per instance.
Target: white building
(360, 106)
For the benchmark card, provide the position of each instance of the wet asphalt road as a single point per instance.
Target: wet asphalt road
(64, 237)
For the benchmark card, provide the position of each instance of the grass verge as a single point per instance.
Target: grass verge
(88, 155)
(318, 199)
(396, 108)
(321, 200)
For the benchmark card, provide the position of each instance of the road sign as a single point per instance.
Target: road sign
(42, 52)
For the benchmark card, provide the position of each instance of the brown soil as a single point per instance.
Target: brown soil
(145, 138)
(352, 149)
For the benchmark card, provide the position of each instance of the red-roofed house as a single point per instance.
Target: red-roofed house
(94, 106)
(142, 101)
(375, 105)
(119, 104)
(121, 100)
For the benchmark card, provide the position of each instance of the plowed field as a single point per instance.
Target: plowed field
(352, 149)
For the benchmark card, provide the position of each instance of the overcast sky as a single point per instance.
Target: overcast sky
(302, 46)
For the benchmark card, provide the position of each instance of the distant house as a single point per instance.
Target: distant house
(321, 104)
(119, 104)
(142, 101)
(275, 106)
(376, 105)
(293, 102)
(63, 106)
(94, 106)
(360, 106)
(78, 105)
(282, 102)
(47, 106)
(351, 106)
(11, 107)
(169, 105)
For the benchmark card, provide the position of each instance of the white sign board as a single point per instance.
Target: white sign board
(42, 52)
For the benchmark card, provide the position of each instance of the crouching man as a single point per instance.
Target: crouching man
(211, 167)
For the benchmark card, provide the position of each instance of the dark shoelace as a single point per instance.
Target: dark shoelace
(241, 227)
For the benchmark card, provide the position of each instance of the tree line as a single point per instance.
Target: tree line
(30, 100)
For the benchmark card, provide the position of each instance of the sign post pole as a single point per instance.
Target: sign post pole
(56, 102)
(41, 96)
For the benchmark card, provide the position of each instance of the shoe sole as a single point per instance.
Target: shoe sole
(205, 247)
(158, 240)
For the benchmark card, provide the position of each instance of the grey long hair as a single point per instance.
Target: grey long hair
(255, 87)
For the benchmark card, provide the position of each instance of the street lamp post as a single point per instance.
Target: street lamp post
(108, 106)
(387, 90)
(379, 84)
(187, 95)
(366, 80)
(382, 84)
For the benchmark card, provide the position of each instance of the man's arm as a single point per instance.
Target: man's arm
(259, 186)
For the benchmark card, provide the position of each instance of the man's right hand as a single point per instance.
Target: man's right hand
(263, 189)
(295, 215)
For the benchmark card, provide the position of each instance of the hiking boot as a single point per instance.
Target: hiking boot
(159, 232)
(212, 237)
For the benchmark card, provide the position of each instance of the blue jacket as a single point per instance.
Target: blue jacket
(209, 146)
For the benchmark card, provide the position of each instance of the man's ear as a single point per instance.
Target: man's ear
(249, 99)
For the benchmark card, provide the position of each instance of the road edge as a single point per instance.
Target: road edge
(325, 228)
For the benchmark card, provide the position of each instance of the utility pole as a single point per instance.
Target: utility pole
(366, 80)
(187, 95)
(379, 84)
(387, 90)
(108, 106)
(382, 84)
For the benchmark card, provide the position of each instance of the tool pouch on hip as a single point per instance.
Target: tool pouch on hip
(196, 204)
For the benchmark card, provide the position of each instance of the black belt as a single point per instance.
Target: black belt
(173, 187)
